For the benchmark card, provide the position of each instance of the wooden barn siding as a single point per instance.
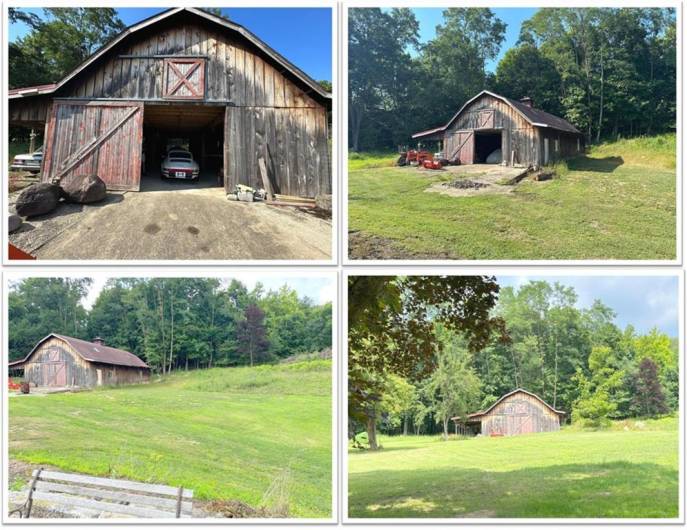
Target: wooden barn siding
(266, 111)
(234, 74)
(520, 414)
(568, 144)
(518, 134)
(113, 374)
(78, 372)
(74, 124)
(292, 141)
(30, 112)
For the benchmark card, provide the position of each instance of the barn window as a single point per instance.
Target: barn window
(184, 79)
(556, 145)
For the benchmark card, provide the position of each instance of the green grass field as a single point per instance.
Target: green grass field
(572, 473)
(226, 433)
(617, 202)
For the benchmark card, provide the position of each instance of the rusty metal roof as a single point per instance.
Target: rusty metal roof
(483, 412)
(536, 117)
(31, 90)
(92, 352)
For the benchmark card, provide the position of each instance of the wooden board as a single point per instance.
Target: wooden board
(233, 71)
(130, 485)
(293, 143)
(155, 502)
(81, 502)
(100, 138)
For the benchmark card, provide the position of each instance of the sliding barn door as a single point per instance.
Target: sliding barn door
(291, 141)
(95, 138)
(461, 146)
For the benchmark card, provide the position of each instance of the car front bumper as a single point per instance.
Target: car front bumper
(182, 174)
(25, 167)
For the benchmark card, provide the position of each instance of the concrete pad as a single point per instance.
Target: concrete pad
(176, 223)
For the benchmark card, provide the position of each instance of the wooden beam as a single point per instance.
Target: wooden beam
(163, 57)
(265, 179)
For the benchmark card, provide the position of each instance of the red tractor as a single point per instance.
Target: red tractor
(414, 158)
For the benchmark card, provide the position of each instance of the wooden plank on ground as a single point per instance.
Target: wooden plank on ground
(156, 502)
(114, 483)
(265, 180)
(80, 502)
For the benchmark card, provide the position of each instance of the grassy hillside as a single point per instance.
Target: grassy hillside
(630, 470)
(226, 433)
(617, 202)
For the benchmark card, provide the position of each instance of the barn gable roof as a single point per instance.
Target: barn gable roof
(536, 117)
(92, 352)
(304, 78)
(480, 413)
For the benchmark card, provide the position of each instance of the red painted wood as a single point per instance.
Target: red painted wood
(114, 128)
(184, 78)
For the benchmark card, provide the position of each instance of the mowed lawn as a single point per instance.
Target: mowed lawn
(617, 202)
(226, 433)
(565, 474)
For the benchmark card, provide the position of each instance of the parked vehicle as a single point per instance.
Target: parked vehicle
(28, 162)
(179, 164)
(413, 157)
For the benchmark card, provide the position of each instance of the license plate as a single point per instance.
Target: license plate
(180, 174)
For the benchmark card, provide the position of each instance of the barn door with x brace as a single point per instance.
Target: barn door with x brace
(184, 78)
(95, 138)
(485, 119)
(462, 146)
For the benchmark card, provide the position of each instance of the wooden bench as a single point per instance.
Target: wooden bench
(123, 497)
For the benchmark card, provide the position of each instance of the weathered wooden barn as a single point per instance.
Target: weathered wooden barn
(527, 136)
(518, 412)
(61, 361)
(183, 77)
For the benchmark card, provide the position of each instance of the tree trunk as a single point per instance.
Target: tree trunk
(445, 435)
(354, 123)
(171, 334)
(372, 433)
(405, 425)
(601, 102)
(555, 371)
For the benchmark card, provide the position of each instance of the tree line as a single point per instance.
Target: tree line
(611, 72)
(432, 348)
(171, 323)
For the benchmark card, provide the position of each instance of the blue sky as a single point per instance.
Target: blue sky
(642, 301)
(302, 35)
(430, 17)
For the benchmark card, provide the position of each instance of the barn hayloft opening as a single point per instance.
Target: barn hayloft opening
(486, 142)
(196, 128)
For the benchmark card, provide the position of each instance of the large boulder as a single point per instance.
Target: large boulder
(38, 199)
(13, 223)
(84, 189)
(324, 202)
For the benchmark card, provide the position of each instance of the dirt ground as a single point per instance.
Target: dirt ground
(367, 246)
(493, 178)
(175, 220)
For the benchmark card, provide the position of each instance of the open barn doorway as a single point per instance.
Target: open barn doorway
(488, 148)
(198, 129)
